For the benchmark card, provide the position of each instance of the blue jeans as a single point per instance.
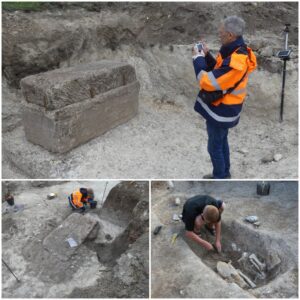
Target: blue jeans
(218, 150)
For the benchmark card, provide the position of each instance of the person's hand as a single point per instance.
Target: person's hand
(205, 47)
(209, 247)
(218, 246)
(196, 52)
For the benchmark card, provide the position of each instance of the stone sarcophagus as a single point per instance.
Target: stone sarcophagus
(68, 107)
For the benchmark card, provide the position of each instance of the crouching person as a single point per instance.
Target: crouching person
(203, 212)
(79, 200)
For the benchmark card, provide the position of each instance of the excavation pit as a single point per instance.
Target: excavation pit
(194, 270)
(249, 258)
(56, 253)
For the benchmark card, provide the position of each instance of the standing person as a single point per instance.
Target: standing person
(203, 211)
(223, 83)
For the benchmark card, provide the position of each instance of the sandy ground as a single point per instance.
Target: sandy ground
(167, 139)
(179, 270)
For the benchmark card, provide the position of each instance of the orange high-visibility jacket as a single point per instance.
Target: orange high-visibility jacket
(78, 199)
(239, 64)
(223, 73)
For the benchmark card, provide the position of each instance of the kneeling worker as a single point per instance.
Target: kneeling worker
(206, 211)
(79, 199)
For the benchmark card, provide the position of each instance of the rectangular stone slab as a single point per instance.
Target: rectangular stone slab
(61, 87)
(75, 226)
(63, 129)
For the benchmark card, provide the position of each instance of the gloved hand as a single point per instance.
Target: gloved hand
(197, 53)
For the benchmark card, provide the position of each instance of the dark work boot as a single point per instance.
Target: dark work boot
(210, 176)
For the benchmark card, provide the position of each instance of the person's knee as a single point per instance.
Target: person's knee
(211, 147)
(214, 144)
(215, 150)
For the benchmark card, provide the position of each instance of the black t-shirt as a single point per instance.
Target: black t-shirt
(194, 206)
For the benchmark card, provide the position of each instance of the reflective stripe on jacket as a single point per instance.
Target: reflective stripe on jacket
(221, 74)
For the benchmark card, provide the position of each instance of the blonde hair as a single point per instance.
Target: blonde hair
(211, 214)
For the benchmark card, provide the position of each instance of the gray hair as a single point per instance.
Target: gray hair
(235, 25)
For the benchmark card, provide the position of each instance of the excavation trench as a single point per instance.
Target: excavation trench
(256, 257)
(95, 232)
(109, 238)
(93, 249)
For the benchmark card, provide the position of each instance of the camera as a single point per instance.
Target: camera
(199, 46)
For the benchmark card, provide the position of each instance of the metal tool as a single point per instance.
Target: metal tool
(174, 237)
(285, 56)
(263, 188)
(10, 270)
(157, 230)
(215, 248)
(104, 192)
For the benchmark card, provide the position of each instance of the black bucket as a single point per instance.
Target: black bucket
(263, 188)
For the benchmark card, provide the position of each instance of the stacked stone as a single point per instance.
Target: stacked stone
(67, 107)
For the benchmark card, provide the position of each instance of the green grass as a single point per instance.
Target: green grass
(28, 6)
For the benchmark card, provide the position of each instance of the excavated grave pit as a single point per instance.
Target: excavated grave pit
(239, 241)
(276, 236)
(122, 220)
(111, 226)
